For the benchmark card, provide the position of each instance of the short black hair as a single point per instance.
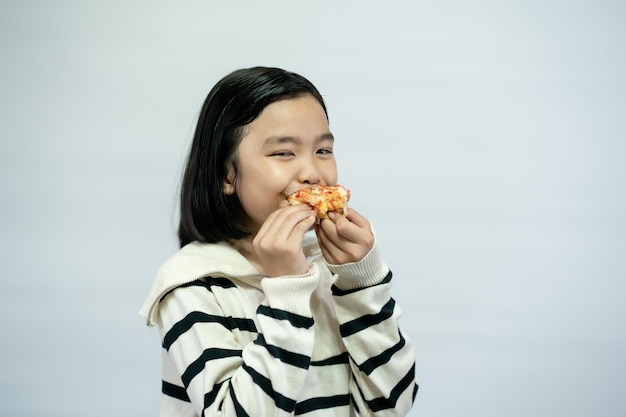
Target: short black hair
(207, 214)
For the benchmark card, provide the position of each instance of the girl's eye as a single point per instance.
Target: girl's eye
(283, 154)
(325, 151)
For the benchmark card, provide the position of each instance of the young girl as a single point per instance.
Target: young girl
(257, 316)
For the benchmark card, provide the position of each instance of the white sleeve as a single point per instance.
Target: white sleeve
(381, 355)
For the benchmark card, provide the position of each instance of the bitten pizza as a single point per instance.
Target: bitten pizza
(322, 198)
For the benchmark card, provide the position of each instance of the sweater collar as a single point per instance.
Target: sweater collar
(194, 261)
(197, 260)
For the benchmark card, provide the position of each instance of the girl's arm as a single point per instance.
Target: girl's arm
(230, 367)
(382, 357)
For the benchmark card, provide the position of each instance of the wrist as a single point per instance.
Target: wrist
(370, 270)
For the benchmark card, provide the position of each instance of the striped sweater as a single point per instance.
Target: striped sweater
(236, 343)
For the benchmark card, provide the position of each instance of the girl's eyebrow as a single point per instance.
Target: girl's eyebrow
(326, 136)
(278, 140)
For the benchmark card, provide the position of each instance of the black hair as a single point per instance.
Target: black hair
(207, 214)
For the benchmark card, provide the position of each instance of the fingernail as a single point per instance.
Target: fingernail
(331, 215)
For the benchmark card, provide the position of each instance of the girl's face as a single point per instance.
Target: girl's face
(287, 148)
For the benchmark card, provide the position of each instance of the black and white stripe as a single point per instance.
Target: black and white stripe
(263, 372)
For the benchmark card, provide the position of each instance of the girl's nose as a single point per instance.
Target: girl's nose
(310, 173)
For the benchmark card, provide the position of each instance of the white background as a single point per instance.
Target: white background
(498, 127)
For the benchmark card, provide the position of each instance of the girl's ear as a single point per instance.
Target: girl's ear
(229, 181)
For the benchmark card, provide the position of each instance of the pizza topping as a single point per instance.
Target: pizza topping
(322, 198)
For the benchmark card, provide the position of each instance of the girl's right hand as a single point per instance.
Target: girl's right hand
(278, 243)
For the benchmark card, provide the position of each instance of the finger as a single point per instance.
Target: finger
(329, 228)
(346, 229)
(304, 226)
(342, 251)
(356, 218)
(281, 224)
(292, 226)
(337, 242)
(279, 218)
(329, 249)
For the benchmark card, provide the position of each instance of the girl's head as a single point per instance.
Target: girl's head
(207, 212)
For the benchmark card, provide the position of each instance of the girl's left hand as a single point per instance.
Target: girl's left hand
(344, 238)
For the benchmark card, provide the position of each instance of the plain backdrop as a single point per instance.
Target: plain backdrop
(495, 131)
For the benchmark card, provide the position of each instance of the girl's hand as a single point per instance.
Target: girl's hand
(344, 238)
(278, 243)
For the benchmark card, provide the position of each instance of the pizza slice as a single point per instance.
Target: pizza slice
(322, 198)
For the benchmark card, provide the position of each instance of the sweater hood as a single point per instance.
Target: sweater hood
(198, 260)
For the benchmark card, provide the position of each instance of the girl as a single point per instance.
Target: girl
(257, 316)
